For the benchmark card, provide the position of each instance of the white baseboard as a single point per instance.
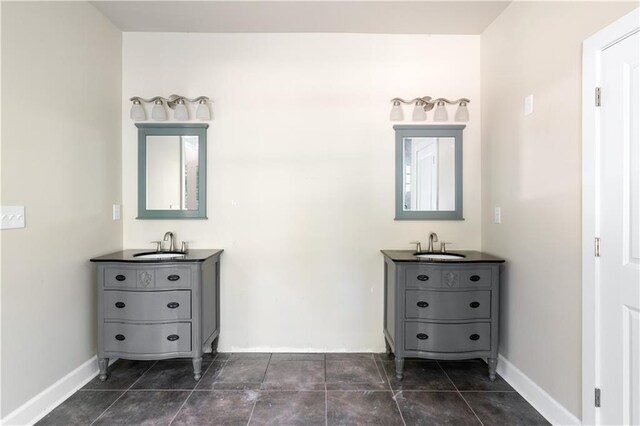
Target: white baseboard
(551, 409)
(40, 405)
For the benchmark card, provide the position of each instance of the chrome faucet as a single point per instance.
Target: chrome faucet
(433, 237)
(169, 236)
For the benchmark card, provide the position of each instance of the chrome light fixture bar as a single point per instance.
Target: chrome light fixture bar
(427, 103)
(175, 102)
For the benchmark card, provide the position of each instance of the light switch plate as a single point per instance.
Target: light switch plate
(12, 217)
(116, 212)
(497, 215)
(528, 105)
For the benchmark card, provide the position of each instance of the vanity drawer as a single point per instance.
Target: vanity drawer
(447, 305)
(475, 278)
(466, 278)
(147, 338)
(120, 277)
(422, 276)
(147, 305)
(173, 277)
(434, 337)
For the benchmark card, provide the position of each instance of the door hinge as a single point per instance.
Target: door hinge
(596, 247)
(598, 97)
(597, 397)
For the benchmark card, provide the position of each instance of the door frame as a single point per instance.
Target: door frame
(592, 48)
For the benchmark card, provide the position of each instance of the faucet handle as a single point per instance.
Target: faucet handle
(158, 245)
(418, 245)
(443, 246)
(185, 246)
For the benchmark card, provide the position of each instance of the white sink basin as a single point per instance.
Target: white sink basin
(439, 256)
(159, 256)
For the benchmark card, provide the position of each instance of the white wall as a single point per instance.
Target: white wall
(532, 170)
(301, 171)
(61, 158)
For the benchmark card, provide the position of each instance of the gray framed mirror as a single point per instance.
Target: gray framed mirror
(429, 172)
(172, 171)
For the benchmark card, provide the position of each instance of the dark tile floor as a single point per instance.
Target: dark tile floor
(296, 389)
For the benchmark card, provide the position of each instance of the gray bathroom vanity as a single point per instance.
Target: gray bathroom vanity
(441, 308)
(157, 307)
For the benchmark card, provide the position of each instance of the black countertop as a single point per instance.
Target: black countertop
(193, 255)
(470, 257)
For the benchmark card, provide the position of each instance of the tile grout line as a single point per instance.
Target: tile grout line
(394, 396)
(459, 393)
(375, 362)
(326, 394)
(258, 390)
(124, 392)
(191, 393)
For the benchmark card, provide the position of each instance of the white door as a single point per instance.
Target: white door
(618, 278)
(425, 179)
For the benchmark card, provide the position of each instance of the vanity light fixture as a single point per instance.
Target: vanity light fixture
(441, 112)
(396, 111)
(137, 111)
(419, 112)
(462, 114)
(175, 102)
(427, 103)
(158, 112)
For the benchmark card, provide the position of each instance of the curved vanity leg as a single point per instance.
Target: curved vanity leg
(103, 364)
(388, 346)
(214, 346)
(493, 364)
(197, 368)
(399, 368)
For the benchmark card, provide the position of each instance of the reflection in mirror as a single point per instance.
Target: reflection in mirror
(172, 172)
(429, 174)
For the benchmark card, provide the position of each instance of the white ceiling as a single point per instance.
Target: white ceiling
(385, 17)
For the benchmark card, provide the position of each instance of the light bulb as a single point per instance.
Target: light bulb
(203, 113)
(181, 112)
(462, 114)
(396, 112)
(419, 113)
(441, 112)
(158, 112)
(137, 111)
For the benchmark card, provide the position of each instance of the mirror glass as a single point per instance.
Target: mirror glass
(429, 172)
(172, 170)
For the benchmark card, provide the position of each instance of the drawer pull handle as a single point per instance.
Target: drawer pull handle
(120, 305)
(474, 304)
(422, 304)
(119, 337)
(423, 277)
(120, 277)
(475, 278)
(474, 337)
(172, 305)
(422, 336)
(173, 277)
(173, 337)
